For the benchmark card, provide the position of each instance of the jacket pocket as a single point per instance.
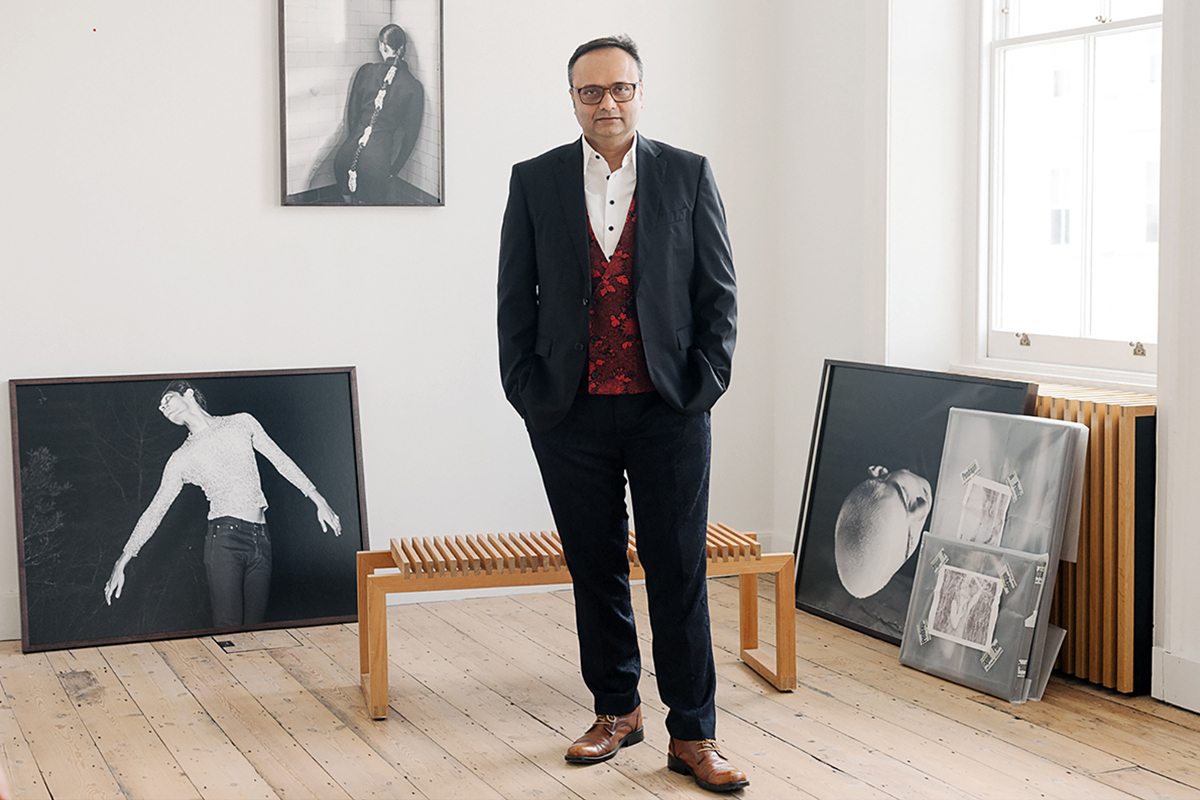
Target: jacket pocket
(683, 337)
(673, 215)
(542, 347)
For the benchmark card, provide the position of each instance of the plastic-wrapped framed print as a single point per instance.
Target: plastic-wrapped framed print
(361, 102)
(1010, 497)
(872, 471)
(159, 506)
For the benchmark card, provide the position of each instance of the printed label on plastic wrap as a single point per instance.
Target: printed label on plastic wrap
(1006, 575)
(1039, 576)
(923, 635)
(1014, 483)
(989, 658)
(1022, 667)
(970, 472)
(940, 560)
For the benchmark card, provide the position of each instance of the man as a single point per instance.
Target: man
(617, 318)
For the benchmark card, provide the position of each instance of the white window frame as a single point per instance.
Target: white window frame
(1019, 351)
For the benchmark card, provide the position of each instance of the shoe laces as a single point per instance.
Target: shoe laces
(605, 720)
(707, 745)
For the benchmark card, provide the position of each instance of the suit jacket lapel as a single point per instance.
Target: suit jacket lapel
(650, 176)
(568, 176)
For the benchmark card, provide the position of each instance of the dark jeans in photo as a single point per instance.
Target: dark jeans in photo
(237, 556)
(584, 461)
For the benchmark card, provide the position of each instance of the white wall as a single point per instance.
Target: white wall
(831, 282)
(1176, 671)
(928, 217)
(142, 231)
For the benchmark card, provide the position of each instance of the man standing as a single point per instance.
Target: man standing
(617, 320)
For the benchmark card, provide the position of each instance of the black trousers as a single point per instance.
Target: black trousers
(237, 557)
(584, 461)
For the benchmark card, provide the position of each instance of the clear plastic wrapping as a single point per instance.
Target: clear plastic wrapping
(1009, 493)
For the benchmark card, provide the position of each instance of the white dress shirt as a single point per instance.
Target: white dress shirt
(608, 194)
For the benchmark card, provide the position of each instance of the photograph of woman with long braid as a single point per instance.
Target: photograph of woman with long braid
(158, 506)
(383, 116)
(362, 102)
(218, 456)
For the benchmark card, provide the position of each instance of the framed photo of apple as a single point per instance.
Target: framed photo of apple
(872, 471)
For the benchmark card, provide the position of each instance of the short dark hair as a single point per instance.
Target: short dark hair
(180, 387)
(621, 42)
(394, 37)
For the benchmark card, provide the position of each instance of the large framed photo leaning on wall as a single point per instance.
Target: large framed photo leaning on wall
(873, 467)
(159, 506)
(361, 102)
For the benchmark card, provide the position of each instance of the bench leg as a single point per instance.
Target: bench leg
(375, 679)
(780, 670)
(372, 631)
(785, 625)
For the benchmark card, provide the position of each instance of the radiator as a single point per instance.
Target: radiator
(1105, 599)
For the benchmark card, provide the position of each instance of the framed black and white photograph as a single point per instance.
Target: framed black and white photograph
(361, 102)
(965, 607)
(159, 506)
(872, 471)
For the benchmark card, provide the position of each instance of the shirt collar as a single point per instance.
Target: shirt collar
(594, 161)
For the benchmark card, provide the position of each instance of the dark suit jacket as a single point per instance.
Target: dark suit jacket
(683, 281)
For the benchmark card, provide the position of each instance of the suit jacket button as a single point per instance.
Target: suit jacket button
(586, 301)
(578, 347)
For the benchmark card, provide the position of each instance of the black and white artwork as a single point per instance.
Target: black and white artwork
(965, 606)
(361, 96)
(984, 507)
(872, 473)
(170, 505)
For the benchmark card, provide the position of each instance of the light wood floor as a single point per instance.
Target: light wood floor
(485, 695)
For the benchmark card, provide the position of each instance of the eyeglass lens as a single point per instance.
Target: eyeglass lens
(621, 92)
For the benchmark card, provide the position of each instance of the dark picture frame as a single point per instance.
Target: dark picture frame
(330, 72)
(871, 416)
(89, 455)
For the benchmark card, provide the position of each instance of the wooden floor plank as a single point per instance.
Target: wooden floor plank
(529, 677)
(781, 765)
(137, 758)
(953, 726)
(1161, 751)
(486, 694)
(487, 756)
(211, 761)
(435, 772)
(348, 760)
(882, 671)
(281, 761)
(1141, 703)
(974, 765)
(16, 757)
(442, 670)
(831, 746)
(69, 761)
(1146, 785)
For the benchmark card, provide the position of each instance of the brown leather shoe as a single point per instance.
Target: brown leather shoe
(703, 761)
(607, 735)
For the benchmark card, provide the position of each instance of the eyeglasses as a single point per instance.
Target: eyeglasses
(592, 95)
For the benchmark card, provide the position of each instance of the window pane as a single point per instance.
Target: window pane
(1132, 9)
(1039, 277)
(1030, 17)
(1125, 186)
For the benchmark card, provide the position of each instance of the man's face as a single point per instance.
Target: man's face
(172, 407)
(608, 124)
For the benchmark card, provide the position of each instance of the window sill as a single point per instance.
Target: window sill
(1143, 382)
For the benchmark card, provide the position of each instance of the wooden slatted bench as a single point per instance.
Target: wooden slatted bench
(437, 563)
